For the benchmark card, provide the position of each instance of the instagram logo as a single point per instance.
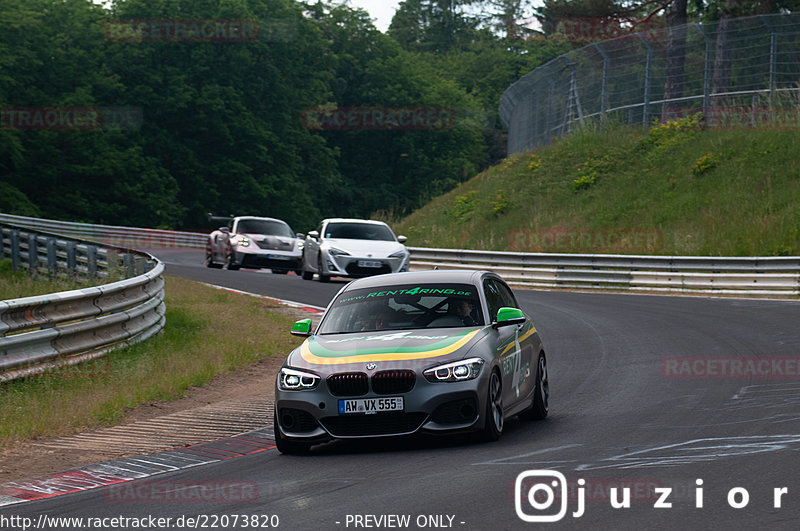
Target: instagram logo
(535, 493)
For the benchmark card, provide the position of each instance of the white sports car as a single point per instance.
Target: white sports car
(254, 242)
(353, 248)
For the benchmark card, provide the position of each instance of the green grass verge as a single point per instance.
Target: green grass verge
(208, 332)
(708, 192)
(15, 285)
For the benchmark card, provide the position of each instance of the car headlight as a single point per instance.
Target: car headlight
(292, 380)
(300, 245)
(457, 371)
(398, 254)
(333, 251)
(243, 242)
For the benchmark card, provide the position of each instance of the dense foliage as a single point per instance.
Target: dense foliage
(220, 126)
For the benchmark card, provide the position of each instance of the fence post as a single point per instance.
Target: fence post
(773, 53)
(33, 254)
(14, 250)
(138, 265)
(533, 118)
(52, 264)
(91, 261)
(72, 259)
(537, 134)
(604, 84)
(573, 102)
(706, 70)
(647, 74)
(550, 94)
(128, 265)
(2, 248)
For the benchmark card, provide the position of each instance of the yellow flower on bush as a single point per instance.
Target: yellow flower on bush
(587, 174)
(675, 131)
(704, 163)
(500, 203)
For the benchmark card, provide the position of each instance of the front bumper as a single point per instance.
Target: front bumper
(440, 408)
(362, 266)
(256, 259)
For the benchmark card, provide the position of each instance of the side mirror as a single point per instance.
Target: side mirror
(301, 328)
(509, 316)
(226, 230)
(300, 236)
(402, 239)
(313, 235)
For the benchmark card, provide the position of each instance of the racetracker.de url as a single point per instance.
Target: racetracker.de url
(200, 521)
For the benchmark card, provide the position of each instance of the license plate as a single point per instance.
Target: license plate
(369, 263)
(370, 405)
(277, 257)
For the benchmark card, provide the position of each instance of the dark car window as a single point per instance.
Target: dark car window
(493, 298)
(358, 231)
(498, 295)
(264, 226)
(403, 307)
(506, 295)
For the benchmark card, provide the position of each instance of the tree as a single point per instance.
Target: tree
(384, 168)
(224, 118)
(52, 58)
(219, 127)
(433, 25)
(506, 13)
(676, 58)
(721, 77)
(595, 20)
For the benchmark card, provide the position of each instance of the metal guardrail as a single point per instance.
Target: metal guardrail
(110, 234)
(72, 326)
(777, 276)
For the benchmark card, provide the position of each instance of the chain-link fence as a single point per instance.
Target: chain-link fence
(738, 72)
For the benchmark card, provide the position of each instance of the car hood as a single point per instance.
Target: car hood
(387, 349)
(270, 241)
(376, 248)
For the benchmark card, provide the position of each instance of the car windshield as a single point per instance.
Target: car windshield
(359, 231)
(264, 226)
(404, 307)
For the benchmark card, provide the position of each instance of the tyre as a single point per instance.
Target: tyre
(286, 446)
(229, 263)
(210, 260)
(307, 275)
(322, 278)
(493, 425)
(541, 395)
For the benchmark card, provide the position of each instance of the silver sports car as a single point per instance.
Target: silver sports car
(353, 248)
(430, 351)
(254, 242)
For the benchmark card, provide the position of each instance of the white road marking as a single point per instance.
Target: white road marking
(502, 460)
(698, 450)
(285, 302)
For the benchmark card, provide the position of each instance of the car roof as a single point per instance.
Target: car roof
(354, 220)
(237, 218)
(457, 276)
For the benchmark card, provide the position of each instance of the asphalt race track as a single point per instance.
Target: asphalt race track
(647, 392)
